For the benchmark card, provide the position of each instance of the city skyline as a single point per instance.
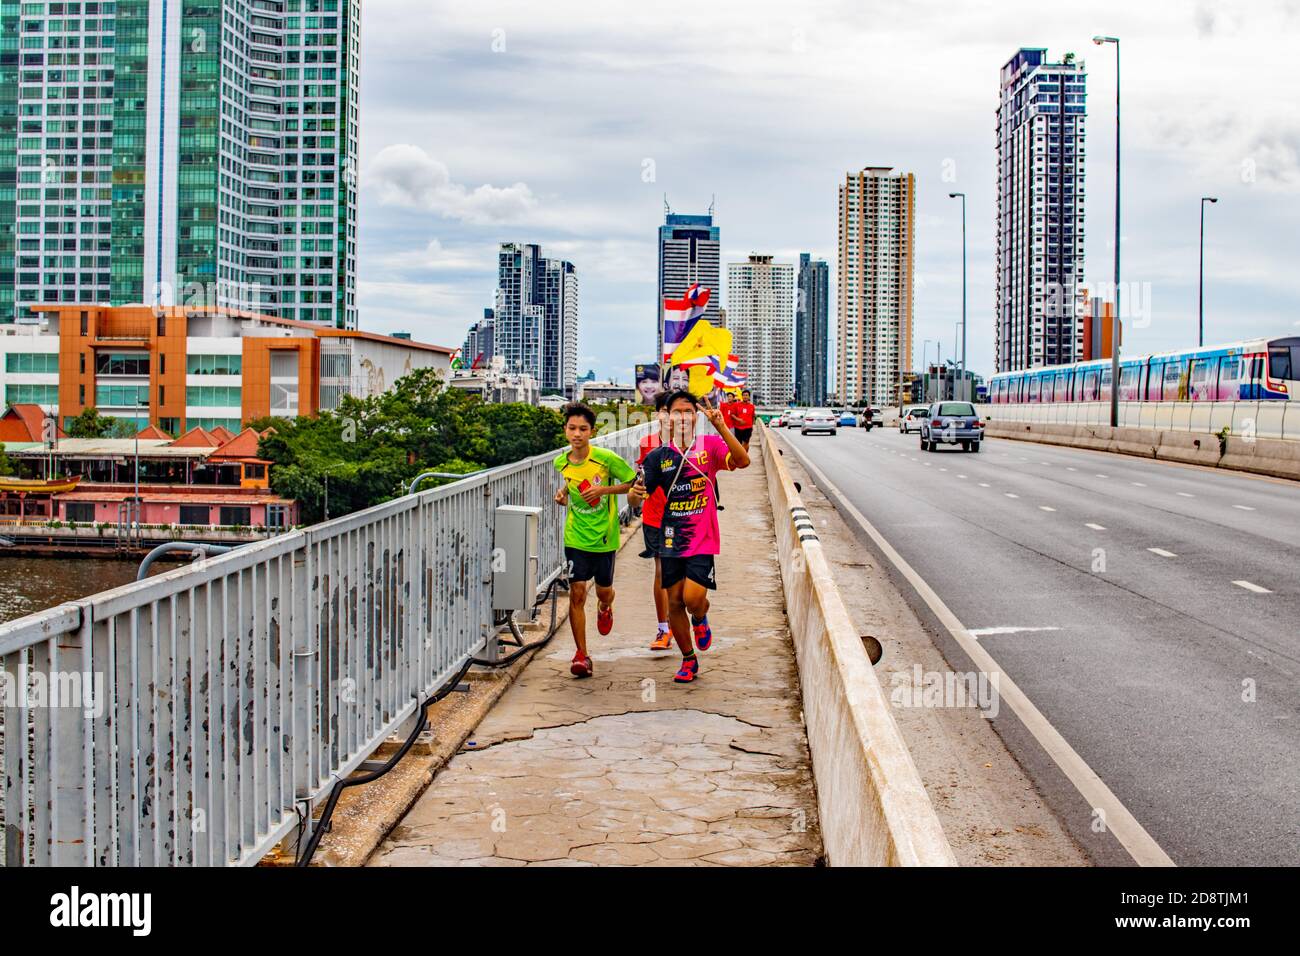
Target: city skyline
(443, 181)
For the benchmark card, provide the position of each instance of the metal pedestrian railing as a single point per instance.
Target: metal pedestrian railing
(197, 717)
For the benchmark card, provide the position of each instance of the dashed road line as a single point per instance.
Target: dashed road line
(1045, 508)
(1162, 552)
(1244, 507)
(1094, 527)
(1183, 494)
(1252, 587)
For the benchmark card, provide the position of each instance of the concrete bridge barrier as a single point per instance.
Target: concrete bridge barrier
(873, 806)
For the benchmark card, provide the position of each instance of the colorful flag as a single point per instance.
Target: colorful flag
(704, 345)
(680, 315)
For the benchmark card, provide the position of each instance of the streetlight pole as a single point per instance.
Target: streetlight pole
(1200, 297)
(963, 288)
(1114, 324)
(925, 371)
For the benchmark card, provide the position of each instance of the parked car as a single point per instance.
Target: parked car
(794, 418)
(848, 419)
(911, 417)
(953, 423)
(819, 420)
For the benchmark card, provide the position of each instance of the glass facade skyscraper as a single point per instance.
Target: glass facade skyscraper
(811, 328)
(690, 252)
(180, 151)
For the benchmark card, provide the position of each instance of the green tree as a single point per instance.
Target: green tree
(91, 424)
(6, 467)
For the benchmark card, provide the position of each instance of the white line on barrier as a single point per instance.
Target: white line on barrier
(1141, 846)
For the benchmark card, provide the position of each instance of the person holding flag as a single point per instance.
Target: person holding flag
(685, 469)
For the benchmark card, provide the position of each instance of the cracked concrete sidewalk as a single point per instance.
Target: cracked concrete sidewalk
(627, 768)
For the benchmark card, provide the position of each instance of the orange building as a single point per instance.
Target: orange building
(181, 367)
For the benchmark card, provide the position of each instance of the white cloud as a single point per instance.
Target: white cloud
(405, 175)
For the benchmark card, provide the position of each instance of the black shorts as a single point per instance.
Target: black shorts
(585, 565)
(698, 568)
(651, 537)
(743, 435)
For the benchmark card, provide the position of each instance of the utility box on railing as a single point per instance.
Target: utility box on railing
(515, 558)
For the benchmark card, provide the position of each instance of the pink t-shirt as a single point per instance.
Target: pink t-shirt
(690, 516)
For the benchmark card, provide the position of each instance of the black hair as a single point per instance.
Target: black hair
(681, 393)
(578, 408)
(661, 401)
(648, 372)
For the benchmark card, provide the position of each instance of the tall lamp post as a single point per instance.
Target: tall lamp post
(925, 371)
(1200, 297)
(962, 196)
(1114, 324)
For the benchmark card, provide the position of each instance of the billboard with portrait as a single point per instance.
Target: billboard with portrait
(648, 383)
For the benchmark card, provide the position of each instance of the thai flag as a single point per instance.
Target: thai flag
(709, 361)
(729, 378)
(680, 315)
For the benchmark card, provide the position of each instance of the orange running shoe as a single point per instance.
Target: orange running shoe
(663, 642)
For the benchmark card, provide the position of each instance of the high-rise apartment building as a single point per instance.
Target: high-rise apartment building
(690, 252)
(1040, 296)
(811, 328)
(180, 153)
(535, 328)
(874, 333)
(760, 316)
(478, 341)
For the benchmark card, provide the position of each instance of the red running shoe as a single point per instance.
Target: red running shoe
(605, 619)
(581, 666)
(703, 634)
(689, 670)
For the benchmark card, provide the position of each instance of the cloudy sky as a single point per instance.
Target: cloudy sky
(566, 123)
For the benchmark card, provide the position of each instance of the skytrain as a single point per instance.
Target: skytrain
(1252, 370)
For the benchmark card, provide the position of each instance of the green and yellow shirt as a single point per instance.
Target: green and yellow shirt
(592, 527)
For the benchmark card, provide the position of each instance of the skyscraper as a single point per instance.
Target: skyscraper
(874, 332)
(689, 253)
(478, 341)
(180, 153)
(811, 329)
(1039, 302)
(760, 316)
(536, 322)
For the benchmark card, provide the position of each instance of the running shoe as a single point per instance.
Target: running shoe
(689, 670)
(703, 635)
(581, 666)
(605, 619)
(663, 642)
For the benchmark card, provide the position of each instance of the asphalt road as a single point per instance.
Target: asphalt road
(1151, 613)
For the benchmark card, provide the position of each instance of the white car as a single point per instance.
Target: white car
(912, 416)
(819, 420)
(794, 418)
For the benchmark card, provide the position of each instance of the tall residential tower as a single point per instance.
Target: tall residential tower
(195, 153)
(689, 253)
(1040, 278)
(877, 228)
(535, 326)
(810, 331)
(760, 317)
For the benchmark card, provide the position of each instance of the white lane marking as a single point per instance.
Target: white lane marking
(1162, 552)
(1103, 476)
(961, 476)
(1045, 508)
(990, 631)
(1244, 507)
(1137, 484)
(943, 469)
(1010, 495)
(983, 484)
(1068, 468)
(1140, 845)
(1094, 527)
(1183, 494)
(1252, 587)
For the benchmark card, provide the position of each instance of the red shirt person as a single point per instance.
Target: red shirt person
(739, 417)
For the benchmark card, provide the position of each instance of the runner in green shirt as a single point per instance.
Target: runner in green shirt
(593, 480)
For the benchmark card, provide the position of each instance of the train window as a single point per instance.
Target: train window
(1105, 384)
(1279, 363)
(1060, 393)
(1128, 389)
(1155, 381)
(1035, 387)
(1091, 392)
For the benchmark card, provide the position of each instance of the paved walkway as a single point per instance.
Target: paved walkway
(627, 768)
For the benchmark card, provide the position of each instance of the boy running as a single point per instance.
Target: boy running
(651, 516)
(593, 479)
(685, 470)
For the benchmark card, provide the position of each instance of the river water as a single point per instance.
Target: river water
(31, 584)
